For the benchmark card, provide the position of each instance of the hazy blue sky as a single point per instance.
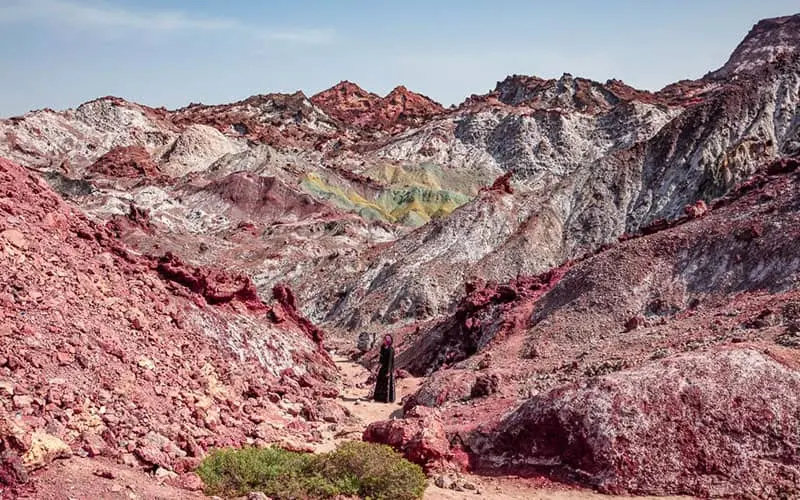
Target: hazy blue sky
(59, 53)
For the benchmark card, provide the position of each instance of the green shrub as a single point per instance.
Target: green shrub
(354, 469)
(380, 471)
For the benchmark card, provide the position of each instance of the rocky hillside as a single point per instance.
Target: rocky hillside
(590, 162)
(682, 340)
(145, 360)
(539, 252)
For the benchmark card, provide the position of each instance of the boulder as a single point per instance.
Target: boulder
(442, 387)
(420, 438)
(189, 481)
(366, 341)
(712, 424)
(23, 449)
(44, 449)
(485, 385)
(325, 410)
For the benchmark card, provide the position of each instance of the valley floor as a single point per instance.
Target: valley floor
(77, 478)
(354, 396)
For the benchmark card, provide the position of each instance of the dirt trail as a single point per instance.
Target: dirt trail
(354, 396)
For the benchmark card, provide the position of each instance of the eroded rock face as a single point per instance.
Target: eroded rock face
(711, 424)
(602, 161)
(215, 286)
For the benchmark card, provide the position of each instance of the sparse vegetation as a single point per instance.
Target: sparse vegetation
(365, 470)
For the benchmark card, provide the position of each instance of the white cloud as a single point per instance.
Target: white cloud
(103, 17)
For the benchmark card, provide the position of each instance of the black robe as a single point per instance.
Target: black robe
(384, 385)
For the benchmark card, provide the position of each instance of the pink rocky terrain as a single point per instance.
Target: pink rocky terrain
(562, 374)
(615, 307)
(148, 362)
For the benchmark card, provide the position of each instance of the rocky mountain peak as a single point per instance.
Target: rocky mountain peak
(567, 92)
(768, 41)
(353, 105)
(345, 88)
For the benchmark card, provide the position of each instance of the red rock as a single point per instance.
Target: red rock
(442, 387)
(696, 210)
(421, 440)
(64, 358)
(488, 311)
(699, 423)
(93, 445)
(126, 161)
(22, 401)
(357, 108)
(325, 410)
(15, 238)
(187, 464)
(501, 185)
(189, 481)
(151, 455)
(215, 286)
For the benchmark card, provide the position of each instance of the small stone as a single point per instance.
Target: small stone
(257, 495)
(64, 358)
(93, 444)
(468, 486)
(129, 460)
(104, 473)
(145, 363)
(444, 482)
(188, 464)
(163, 474)
(15, 238)
(190, 482)
(151, 455)
(115, 488)
(6, 388)
(21, 402)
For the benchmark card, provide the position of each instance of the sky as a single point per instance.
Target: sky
(60, 53)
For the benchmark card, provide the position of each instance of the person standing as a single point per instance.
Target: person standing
(384, 385)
